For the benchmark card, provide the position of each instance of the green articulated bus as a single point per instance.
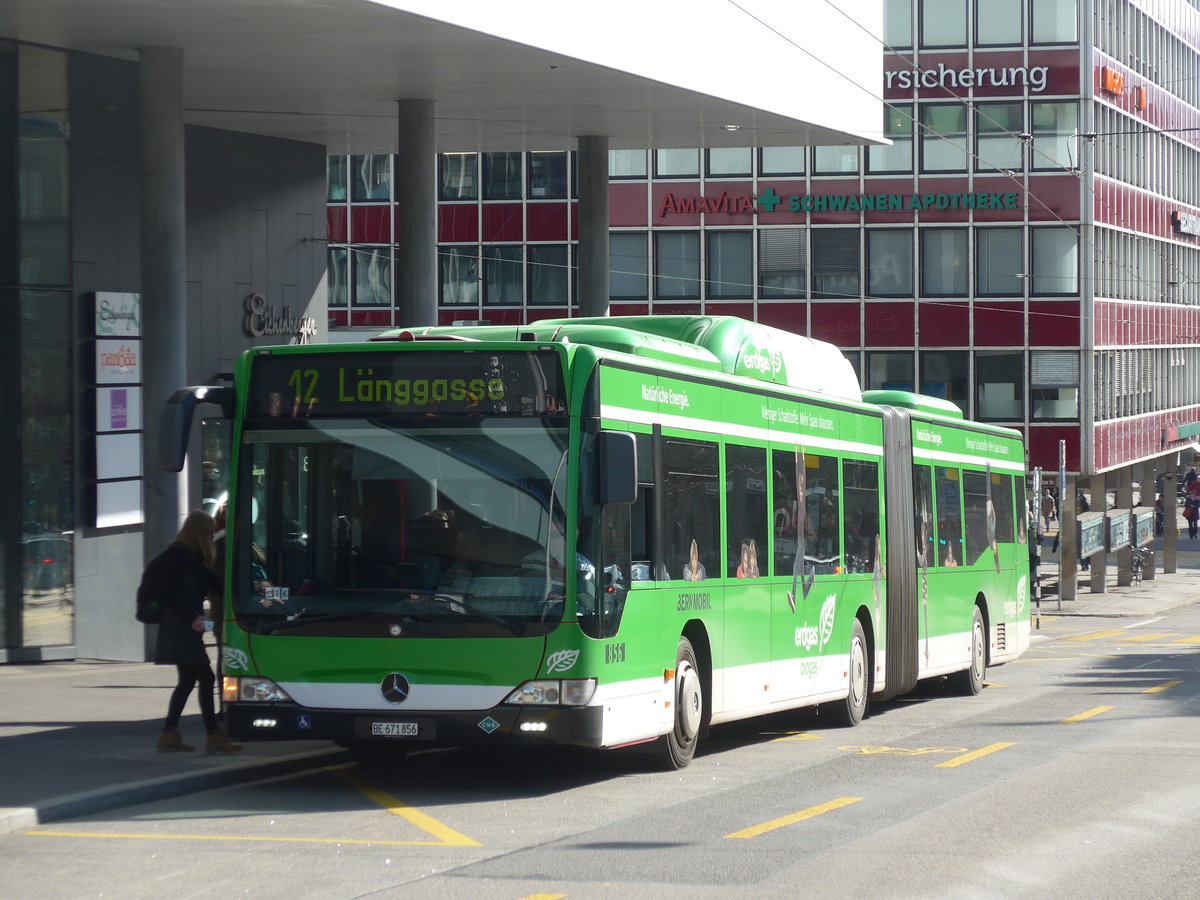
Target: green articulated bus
(598, 532)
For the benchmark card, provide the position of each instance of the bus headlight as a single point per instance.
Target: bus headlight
(252, 690)
(567, 692)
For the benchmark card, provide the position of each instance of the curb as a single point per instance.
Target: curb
(72, 806)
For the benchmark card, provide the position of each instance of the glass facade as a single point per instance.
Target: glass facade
(37, 512)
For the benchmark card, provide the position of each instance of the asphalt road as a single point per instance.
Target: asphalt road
(1073, 774)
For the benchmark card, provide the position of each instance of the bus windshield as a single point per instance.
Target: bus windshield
(446, 526)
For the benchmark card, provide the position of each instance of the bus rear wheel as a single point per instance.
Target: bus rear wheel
(688, 699)
(850, 712)
(970, 682)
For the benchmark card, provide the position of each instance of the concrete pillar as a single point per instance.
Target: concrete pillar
(1124, 500)
(1170, 517)
(416, 274)
(163, 278)
(1068, 549)
(592, 162)
(1146, 495)
(1098, 498)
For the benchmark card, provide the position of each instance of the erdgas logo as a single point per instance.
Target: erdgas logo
(561, 660)
(808, 636)
(763, 360)
(232, 658)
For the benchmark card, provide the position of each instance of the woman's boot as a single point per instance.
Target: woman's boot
(169, 742)
(219, 743)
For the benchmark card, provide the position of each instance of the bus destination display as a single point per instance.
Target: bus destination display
(374, 384)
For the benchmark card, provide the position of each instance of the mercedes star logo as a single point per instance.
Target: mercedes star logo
(394, 688)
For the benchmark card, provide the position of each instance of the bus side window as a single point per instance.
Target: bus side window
(975, 515)
(1002, 500)
(923, 525)
(823, 546)
(641, 525)
(861, 513)
(692, 500)
(949, 517)
(745, 511)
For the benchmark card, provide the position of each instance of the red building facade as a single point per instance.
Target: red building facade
(1027, 246)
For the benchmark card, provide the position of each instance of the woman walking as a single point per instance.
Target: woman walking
(186, 576)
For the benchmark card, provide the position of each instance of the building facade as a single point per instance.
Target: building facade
(163, 209)
(1027, 246)
(71, 542)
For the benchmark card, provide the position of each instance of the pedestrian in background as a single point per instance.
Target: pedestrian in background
(185, 578)
(1048, 507)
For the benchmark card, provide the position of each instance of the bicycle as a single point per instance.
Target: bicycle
(1140, 560)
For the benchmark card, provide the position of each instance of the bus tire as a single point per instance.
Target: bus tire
(850, 712)
(688, 698)
(970, 681)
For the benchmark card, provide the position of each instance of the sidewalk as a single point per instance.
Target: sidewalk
(78, 738)
(1151, 597)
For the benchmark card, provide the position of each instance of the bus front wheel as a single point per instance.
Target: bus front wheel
(850, 712)
(970, 682)
(688, 698)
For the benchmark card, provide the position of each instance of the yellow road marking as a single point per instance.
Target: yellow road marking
(1094, 636)
(1087, 715)
(899, 751)
(1045, 659)
(427, 823)
(1187, 640)
(1162, 687)
(756, 830)
(1152, 637)
(228, 837)
(796, 736)
(972, 756)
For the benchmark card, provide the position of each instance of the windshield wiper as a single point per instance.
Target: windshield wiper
(458, 603)
(296, 619)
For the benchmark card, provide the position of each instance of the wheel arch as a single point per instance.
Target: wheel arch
(864, 619)
(696, 632)
(982, 605)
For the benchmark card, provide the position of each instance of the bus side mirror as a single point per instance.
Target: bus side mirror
(176, 423)
(616, 453)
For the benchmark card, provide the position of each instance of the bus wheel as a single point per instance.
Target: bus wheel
(970, 682)
(689, 708)
(850, 712)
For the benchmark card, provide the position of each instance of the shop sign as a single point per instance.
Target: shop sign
(118, 362)
(770, 201)
(119, 408)
(1032, 77)
(117, 314)
(1118, 529)
(1090, 533)
(262, 319)
(1142, 522)
(1112, 80)
(1186, 223)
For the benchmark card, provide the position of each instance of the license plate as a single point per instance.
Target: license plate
(394, 729)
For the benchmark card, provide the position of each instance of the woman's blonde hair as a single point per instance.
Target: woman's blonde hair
(196, 534)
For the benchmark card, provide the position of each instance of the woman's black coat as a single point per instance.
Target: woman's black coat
(186, 581)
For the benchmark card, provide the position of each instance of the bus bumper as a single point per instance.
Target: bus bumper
(571, 726)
